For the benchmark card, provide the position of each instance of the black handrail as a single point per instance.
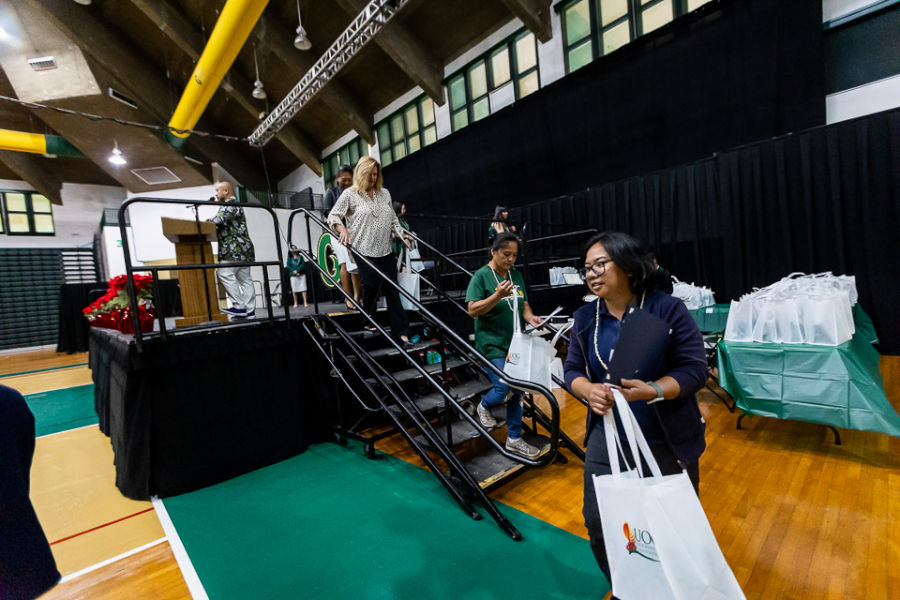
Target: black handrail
(526, 386)
(413, 411)
(519, 384)
(129, 268)
(469, 273)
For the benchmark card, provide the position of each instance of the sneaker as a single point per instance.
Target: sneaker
(250, 314)
(234, 312)
(485, 417)
(521, 447)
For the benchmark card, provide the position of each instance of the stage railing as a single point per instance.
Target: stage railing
(130, 269)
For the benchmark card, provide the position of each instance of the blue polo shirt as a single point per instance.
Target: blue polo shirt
(607, 336)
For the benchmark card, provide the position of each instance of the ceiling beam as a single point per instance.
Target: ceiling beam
(139, 76)
(30, 169)
(410, 54)
(274, 39)
(180, 31)
(535, 14)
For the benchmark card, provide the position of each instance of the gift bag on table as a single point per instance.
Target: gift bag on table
(658, 541)
(410, 282)
(529, 355)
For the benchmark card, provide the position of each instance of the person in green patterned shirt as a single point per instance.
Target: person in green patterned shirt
(235, 246)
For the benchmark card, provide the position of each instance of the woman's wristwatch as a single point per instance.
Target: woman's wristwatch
(659, 392)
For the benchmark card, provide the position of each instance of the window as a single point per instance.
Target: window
(410, 128)
(507, 72)
(345, 155)
(594, 28)
(26, 213)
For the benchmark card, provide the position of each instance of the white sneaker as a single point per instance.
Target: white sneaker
(485, 417)
(521, 447)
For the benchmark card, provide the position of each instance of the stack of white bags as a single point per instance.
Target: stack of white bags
(799, 309)
(693, 296)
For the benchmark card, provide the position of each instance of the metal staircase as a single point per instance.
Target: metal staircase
(427, 393)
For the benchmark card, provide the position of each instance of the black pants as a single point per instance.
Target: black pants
(596, 462)
(374, 286)
(27, 568)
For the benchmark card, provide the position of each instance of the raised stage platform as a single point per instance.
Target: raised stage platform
(206, 405)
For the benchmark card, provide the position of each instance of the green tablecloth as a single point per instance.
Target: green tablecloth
(831, 385)
(711, 319)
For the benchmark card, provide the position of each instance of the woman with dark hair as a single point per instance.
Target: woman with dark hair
(623, 276)
(490, 296)
(500, 223)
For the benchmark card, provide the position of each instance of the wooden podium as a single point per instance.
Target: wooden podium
(198, 286)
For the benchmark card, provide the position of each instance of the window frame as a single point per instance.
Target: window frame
(509, 44)
(634, 16)
(328, 168)
(29, 212)
(387, 146)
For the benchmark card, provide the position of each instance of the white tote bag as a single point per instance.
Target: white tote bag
(409, 281)
(658, 540)
(529, 356)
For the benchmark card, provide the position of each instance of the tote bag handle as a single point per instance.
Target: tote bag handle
(636, 440)
(515, 309)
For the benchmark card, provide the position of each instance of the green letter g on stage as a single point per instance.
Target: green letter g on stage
(328, 260)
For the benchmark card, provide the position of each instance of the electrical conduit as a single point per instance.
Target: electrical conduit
(237, 20)
(37, 143)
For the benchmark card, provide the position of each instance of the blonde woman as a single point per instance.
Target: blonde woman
(368, 211)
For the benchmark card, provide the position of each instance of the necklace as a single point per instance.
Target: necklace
(509, 299)
(597, 329)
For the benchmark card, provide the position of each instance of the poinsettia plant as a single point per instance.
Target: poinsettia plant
(113, 309)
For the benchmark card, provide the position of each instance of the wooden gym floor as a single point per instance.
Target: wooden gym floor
(796, 516)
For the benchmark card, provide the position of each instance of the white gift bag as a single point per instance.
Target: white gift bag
(558, 275)
(739, 326)
(409, 281)
(658, 540)
(529, 355)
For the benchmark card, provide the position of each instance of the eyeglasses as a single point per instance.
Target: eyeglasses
(598, 268)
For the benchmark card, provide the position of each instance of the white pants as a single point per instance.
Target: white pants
(239, 287)
(344, 256)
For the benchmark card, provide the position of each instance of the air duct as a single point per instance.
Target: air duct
(37, 143)
(236, 21)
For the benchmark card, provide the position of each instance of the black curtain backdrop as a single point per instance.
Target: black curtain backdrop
(730, 73)
(825, 199)
(206, 406)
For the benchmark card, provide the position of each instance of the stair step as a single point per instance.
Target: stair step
(463, 391)
(391, 351)
(411, 373)
(435, 400)
(492, 467)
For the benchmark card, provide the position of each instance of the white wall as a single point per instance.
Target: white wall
(832, 9)
(300, 179)
(877, 96)
(75, 221)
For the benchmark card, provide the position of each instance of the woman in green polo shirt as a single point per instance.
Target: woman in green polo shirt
(491, 292)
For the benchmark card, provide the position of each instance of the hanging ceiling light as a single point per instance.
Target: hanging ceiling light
(301, 42)
(258, 92)
(117, 158)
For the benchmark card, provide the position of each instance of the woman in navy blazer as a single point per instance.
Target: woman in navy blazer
(623, 276)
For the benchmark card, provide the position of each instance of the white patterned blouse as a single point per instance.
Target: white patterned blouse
(370, 222)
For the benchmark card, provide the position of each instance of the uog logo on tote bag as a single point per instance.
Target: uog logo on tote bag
(640, 542)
